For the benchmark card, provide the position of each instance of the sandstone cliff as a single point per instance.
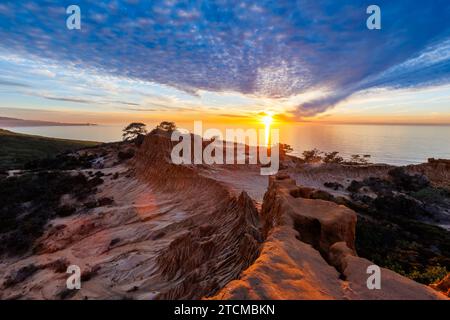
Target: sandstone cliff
(309, 254)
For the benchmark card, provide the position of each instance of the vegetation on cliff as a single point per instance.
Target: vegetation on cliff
(17, 149)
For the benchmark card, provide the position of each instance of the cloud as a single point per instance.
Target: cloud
(155, 108)
(88, 101)
(269, 49)
(126, 103)
(8, 83)
(75, 100)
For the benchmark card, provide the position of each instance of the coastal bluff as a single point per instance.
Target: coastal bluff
(309, 254)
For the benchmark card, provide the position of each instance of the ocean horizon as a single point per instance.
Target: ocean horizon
(395, 144)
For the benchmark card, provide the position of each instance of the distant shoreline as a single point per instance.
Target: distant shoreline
(13, 122)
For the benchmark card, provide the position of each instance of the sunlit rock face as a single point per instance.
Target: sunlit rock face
(309, 254)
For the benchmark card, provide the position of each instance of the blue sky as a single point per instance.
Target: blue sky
(304, 59)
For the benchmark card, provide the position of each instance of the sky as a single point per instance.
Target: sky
(304, 60)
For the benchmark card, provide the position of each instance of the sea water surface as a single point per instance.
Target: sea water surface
(391, 144)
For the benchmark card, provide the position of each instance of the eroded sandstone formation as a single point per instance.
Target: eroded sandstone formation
(309, 254)
(220, 238)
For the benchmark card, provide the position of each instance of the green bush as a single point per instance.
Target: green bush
(430, 275)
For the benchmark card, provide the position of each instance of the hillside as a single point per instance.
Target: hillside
(16, 149)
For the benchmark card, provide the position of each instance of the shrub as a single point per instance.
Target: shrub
(311, 156)
(332, 157)
(167, 126)
(125, 155)
(359, 159)
(33, 200)
(430, 275)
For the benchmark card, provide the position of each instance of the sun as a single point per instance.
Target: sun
(267, 120)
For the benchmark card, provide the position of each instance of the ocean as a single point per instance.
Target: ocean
(391, 144)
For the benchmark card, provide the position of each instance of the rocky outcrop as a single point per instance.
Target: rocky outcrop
(437, 171)
(221, 236)
(309, 254)
(319, 223)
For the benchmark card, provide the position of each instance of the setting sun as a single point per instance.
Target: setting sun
(267, 120)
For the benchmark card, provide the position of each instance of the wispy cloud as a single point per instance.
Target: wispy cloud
(69, 99)
(7, 83)
(126, 103)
